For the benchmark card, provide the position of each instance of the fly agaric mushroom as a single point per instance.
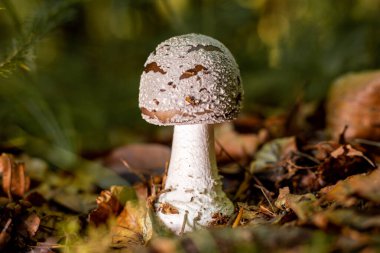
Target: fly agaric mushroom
(191, 81)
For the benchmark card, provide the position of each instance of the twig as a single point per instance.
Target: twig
(248, 173)
(248, 177)
(6, 226)
(263, 189)
(243, 186)
(47, 246)
(228, 155)
(368, 142)
(184, 222)
(297, 167)
(267, 211)
(308, 157)
(238, 218)
(342, 135)
(134, 171)
(240, 166)
(232, 219)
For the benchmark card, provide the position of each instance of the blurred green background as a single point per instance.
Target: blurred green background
(69, 70)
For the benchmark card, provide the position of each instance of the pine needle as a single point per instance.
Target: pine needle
(51, 15)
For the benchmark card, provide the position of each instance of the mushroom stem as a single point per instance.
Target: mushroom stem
(193, 181)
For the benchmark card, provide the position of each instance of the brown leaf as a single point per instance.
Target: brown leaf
(349, 151)
(32, 223)
(272, 153)
(349, 191)
(138, 159)
(232, 146)
(6, 168)
(15, 181)
(107, 207)
(322, 150)
(302, 205)
(354, 101)
(20, 182)
(110, 203)
(134, 227)
(338, 152)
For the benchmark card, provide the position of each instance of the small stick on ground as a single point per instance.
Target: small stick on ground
(311, 158)
(4, 236)
(222, 149)
(232, 219)
(134, 171)
(6, 226)
(263, 190)
(184, 222)
(368, 142)
(248, 175)
(266, 211)
(238, 218)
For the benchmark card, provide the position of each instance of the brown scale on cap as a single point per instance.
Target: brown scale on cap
(192, 72)
(153, 67)
(163, 116)
(167, 116)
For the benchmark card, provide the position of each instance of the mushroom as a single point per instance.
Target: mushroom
(191, 81)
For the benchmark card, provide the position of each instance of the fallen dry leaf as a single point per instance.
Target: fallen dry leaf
(138, 160)
(32, 223)
(108, 206)
(232, 146)
(349, 151)
(350, 191)
(354, 101)
(302, 205)
(15, 182)
(308, 168)
(343, 162)
(110, 203)
(272, 153)
(22, 225)
(134, 227)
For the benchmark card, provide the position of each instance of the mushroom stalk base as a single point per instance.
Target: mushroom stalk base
(193, 196)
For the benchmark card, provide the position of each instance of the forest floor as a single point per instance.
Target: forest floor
(294, 190)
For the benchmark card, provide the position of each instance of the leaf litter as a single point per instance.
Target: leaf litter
(290, 195)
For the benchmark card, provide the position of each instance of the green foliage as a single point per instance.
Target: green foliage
(81, 89)
(48, 16)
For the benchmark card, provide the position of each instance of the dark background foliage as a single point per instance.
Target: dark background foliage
(70, 69)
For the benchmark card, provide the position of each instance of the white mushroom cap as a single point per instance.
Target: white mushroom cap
(190, 79)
